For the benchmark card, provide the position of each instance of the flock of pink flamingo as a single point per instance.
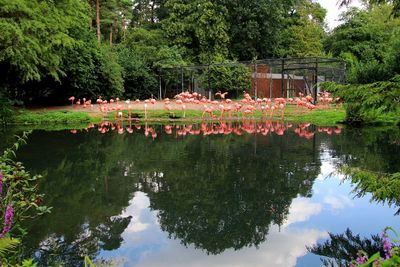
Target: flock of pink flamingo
(216, 128)
(224, 106)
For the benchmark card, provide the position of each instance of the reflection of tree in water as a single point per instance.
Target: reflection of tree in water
(217, 192)
(226, 193)
(341, 249)
(85, 185)
(372, 165)
(55, 249)
(374, 149)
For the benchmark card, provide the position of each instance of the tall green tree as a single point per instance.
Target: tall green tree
(147, 13)
(141, 55)
(34, 36)
(304, 33)
(47, 50)
(111, 18)
(254, 26)
(199, 26)
(364, 40)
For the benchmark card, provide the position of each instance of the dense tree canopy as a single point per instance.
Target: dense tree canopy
(304, 31)
(50, 50)
(366, 39)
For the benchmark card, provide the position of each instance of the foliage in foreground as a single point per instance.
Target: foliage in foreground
(370, 103)
(389, 258)
(339, 249)
(349, 250)
(19, 201)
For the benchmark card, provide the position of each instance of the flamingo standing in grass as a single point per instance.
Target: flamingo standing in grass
(169, 109)
(282, 108)
(229, 110)
(145, 111)
(208, 110)
(72, 98)
(272, 111)
(128, 102)
(184, 110)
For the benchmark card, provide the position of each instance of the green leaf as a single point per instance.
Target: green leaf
(7, 244)
(373, 258)
(29, 263)
(88, 262)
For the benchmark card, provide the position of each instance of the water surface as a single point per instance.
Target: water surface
(202, 195)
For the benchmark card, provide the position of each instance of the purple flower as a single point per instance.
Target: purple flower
(387, 246)
(361, 259)
(7, 220)
(1, 183)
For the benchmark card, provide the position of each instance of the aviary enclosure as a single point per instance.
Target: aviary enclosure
(271, 78)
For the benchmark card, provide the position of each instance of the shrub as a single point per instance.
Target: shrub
(19, 200)
(369, 103)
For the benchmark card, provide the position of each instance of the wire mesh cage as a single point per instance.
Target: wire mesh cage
(272, 78)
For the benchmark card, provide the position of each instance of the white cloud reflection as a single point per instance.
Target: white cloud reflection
(338, 202)
(145, 245)
(301, 210)
(281, 249)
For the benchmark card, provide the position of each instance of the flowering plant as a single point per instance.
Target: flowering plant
(391, 250)
(19, 199)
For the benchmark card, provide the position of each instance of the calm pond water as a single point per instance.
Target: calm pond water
(202, 195)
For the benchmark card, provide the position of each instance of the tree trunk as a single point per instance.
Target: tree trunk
(98, 20)
(111, 34)
(152, 12)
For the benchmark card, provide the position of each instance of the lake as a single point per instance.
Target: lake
(211, 194)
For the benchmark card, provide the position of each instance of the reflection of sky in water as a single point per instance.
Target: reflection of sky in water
(331, 208)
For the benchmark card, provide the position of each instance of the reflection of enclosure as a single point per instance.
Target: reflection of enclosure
(284, 77)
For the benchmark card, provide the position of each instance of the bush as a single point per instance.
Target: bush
(369, 103)
(227, 78)
(19, 200)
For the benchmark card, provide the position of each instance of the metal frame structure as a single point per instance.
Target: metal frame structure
(312, 69)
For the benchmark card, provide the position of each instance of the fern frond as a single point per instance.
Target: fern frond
(7, 244)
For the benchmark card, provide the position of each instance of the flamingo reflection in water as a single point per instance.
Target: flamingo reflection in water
(265, 128)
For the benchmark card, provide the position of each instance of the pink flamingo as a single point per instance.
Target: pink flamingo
(282, 108)
(145, 111)
(221, 95)
(272, 111)
(208, 110)
(184, 110)
(72, 98)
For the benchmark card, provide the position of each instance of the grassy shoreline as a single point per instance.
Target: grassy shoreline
(65, 119)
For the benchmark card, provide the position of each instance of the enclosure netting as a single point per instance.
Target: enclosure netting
(282, 77)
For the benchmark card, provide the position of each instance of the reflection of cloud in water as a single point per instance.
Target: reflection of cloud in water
(301, 210)
(281, 249)
(149, 246)
(338, 202)
(139, 222)
(328, 168)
